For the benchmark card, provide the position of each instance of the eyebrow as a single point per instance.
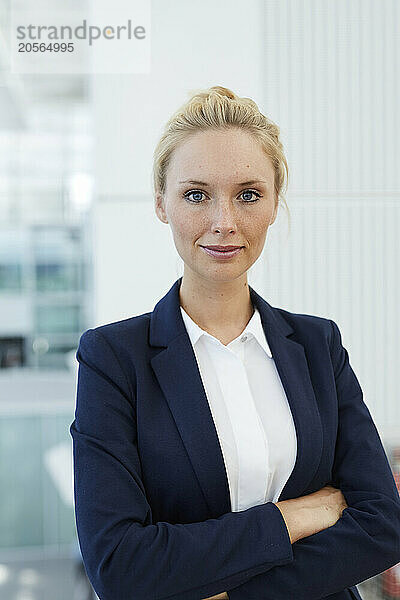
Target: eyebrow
(195, 182)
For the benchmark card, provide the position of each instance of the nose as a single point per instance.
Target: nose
(223, 218)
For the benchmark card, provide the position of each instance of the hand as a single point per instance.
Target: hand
(312, 513)
(223, 596)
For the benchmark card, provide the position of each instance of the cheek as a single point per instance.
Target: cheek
(186, 227)
(258, 225)
(256, 232)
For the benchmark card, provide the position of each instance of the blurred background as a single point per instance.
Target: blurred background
(80, 243)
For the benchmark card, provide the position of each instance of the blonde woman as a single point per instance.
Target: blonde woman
(222, 447)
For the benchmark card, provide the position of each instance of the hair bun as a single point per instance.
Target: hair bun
(223, 91)
(216, 91)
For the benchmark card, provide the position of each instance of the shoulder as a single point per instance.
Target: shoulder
(123, 338)
(123, 327)
(307, 326)
(320, 336)
(115, 349)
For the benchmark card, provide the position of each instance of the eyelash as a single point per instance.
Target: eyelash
(187, 194)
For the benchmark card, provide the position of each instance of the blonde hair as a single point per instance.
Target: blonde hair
(218, 108)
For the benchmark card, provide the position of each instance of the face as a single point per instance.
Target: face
(219, 191)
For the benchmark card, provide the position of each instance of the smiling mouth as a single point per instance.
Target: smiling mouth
(222, 254)
(223, 248)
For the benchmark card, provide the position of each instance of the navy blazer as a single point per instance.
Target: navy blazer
(152, 503)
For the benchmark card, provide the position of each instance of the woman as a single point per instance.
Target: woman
(222, 448)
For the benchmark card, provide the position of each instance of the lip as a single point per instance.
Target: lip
(220, 247)
(220, 254)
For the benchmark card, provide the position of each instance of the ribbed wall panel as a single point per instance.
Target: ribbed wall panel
(331, 81)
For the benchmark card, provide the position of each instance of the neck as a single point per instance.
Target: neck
(216, 305)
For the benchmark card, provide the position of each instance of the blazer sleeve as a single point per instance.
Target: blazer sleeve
(365, 540)
(126, 555)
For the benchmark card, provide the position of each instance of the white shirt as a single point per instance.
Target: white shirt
(250, 410)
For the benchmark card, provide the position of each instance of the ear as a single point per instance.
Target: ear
(274, 214)
(159, 205)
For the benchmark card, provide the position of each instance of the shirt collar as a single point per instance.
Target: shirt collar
(253, 328)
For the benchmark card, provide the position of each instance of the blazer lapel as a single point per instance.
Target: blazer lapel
(176, 369)
(292, 366)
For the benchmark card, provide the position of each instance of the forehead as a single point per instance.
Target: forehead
(210, 155)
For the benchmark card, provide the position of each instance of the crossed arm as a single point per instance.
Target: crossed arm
(369, 528)
(365, 541)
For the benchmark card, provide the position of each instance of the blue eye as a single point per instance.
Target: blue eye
(198, 201)
(193, 192)
(252, 192)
